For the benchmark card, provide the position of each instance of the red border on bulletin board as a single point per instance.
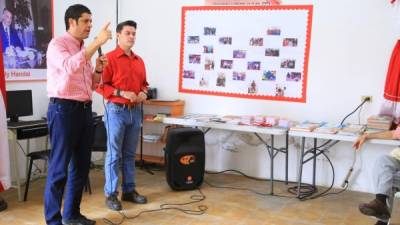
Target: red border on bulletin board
(302, 98)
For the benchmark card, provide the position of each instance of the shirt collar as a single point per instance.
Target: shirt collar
(5, 27)
(120, 52)
(73, 39)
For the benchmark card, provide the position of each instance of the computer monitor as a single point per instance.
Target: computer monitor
(19, 103)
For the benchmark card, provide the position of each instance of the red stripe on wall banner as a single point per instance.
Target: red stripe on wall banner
(2, 77)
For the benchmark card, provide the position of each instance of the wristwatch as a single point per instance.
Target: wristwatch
(118, 93)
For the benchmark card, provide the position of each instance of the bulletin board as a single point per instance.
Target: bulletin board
(258, 52)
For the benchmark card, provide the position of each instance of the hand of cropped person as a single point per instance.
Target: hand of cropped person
(141, 97)
(360, 141)
(131, 96)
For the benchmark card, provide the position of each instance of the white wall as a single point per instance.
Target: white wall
(351, 45)
(350, 48)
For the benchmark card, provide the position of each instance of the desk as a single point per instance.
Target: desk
(334, 137)
(20, 131)
(25, 130)
(252, 129)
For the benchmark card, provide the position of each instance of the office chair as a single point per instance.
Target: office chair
(99, 143)
(43, 155)
(99, 136)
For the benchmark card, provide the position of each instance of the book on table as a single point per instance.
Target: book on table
(306, 126)
(352, 129)
(380, 122)
(328, 128)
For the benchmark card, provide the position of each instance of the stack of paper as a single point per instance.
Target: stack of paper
(258, 120)
(151, 138)
(273, 120)
(246, 120)
(328, 128)
(286, 123)
(305, 126)
(148, 117)
(230, 119)
(380, 122)
(199, 117)
(352, 129)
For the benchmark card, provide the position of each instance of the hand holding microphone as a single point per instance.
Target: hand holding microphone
(99, 51)
(101, 61)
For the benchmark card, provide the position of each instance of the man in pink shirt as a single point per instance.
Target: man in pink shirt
(70, 81)
(385, 173)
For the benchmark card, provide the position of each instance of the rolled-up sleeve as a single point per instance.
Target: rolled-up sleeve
(396, 133)
(106, 88)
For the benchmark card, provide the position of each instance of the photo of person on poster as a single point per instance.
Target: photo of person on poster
(25, 31)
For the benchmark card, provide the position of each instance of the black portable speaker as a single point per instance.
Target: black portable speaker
(185, 158)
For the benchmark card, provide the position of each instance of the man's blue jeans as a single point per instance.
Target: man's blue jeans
(71, 132)
(123, 127)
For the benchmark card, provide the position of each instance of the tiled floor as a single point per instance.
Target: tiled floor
(225, 206)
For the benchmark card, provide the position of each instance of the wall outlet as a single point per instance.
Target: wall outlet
(366, 98)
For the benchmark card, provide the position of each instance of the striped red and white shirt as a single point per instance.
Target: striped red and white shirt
(69, 74)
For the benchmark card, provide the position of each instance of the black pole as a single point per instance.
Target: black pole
(116, 20)
(142, 161)
(141, 136)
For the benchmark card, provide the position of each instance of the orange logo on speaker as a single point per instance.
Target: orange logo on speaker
(187, 159)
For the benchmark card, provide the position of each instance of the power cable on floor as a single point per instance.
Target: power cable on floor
(168, 206)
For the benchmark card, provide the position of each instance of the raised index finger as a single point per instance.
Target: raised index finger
(105, 27)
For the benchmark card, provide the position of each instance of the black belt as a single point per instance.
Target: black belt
(70, 101)
(125, 106)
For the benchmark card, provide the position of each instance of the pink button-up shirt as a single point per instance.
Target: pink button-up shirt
(69, 74)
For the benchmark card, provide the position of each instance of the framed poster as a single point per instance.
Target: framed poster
(26, 29)
(258, 52)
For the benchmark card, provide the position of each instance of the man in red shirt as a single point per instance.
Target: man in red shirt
(125, 87)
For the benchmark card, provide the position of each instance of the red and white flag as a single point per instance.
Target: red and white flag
(5, 176)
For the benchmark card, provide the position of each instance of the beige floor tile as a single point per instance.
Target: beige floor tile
(225, 206)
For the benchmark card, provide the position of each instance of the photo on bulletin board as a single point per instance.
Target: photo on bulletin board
(26, 29)
(257, 52)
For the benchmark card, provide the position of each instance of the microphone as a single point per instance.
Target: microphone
(346, 179)
(100, 51)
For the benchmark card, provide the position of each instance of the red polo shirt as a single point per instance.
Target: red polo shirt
(127, 73)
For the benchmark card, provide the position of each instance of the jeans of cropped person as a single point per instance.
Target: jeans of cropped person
(385, 170)
(123, 127)
(386, 177)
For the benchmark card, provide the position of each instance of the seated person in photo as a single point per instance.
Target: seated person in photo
(9, 35)
(385, 170)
